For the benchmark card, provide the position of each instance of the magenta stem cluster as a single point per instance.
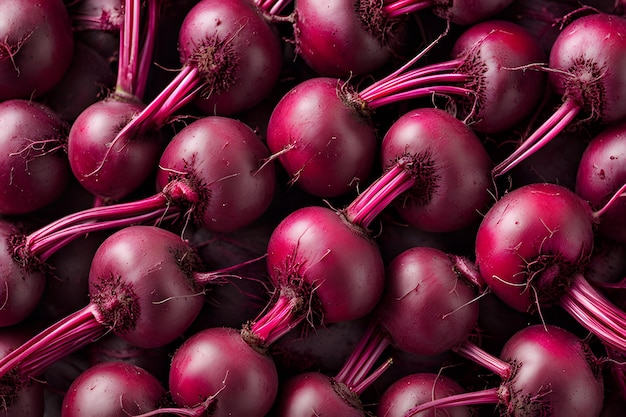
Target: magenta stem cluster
(167, 204)
(273, 7)
(406, 83)
(547, 131)
(469, 350)
(285, 314)
(67, 335)
(397, 8)
(357, 372)
(379, 195)
(486, 396)
(135, 59)
(595, 312)
(177, 94)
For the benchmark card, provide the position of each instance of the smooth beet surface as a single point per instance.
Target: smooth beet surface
(323, 143)
(36, 47)
(107, 168)
(531, 242)
(237, 53)
(223, 161)
(313, 393)
(152, 262)
(601, 172)
(450, 169)
(414, 389)
(427, 308)
(316, 247)
(112, 389)
(34, 170)
(340, 38)
(554, 372)
(497, 54)
(216, 363)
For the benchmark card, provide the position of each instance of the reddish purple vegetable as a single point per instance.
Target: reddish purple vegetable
(601, 173)
(584, 68)
(340, 38)
(531, 249)
(36, 46)
(429, 305)
(315, 256)
(112, 389)
(108, 168)
(545, 371)
(33, 166)
(414, 389)
(216, 372)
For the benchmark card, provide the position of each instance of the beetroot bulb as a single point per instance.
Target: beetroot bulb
(436, 174)
(215, 372)
(112, 389)
(531, 249)
(584, 68)
(36, 45)
(314, 393)
(430, 301)
(105, 162)
(414, 389)
(33, 166)
(545, 370)
(601, 172)
(322, 130)
(146, 285)
(315, 256)
(343, 38)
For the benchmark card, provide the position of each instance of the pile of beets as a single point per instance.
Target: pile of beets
(312, 208)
